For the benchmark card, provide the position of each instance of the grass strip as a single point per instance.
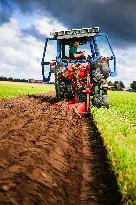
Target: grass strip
(118, 130)
(8, 91)
(124, 103)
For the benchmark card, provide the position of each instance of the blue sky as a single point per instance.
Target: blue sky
(25, 24)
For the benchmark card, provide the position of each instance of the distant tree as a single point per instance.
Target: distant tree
(133, 85)
(119, 85)
(17, 80)
(10, 79)
(110, 83)
(3, 78)
(24, 80)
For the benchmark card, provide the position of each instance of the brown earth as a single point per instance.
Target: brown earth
(49, 156)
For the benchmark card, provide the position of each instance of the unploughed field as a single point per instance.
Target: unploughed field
(48, 155)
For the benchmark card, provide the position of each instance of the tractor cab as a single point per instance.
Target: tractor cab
(95, 44)
(81, 61)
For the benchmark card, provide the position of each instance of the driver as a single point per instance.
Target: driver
(73, 54)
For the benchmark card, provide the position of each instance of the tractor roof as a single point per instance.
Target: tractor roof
(76, 33)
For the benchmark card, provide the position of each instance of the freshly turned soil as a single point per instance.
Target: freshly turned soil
(51, 156)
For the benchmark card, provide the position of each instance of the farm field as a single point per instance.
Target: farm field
(13, 89)
(118, 129)
(52, 155)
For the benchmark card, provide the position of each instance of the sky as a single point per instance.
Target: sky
(24, 25)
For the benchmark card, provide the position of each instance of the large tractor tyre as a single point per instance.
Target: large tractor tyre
(101, 70)
(100, 101)
(97, 75)
(97, 100)
(96, 71)
(104, 69)
(105, 101)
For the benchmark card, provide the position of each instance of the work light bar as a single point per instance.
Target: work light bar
(76, 33)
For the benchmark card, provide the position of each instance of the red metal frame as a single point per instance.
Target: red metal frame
(83, 71)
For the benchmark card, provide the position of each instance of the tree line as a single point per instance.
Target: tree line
(12, 79)
(117, 85)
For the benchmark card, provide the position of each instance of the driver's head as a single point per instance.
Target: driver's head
(76, 43)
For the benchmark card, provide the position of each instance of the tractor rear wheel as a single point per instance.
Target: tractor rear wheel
(97, 75)
(97, 100)
(105, 69)
(101, 101)
(105, 101)
(100, 71)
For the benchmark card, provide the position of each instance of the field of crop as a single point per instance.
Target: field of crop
(13, 89)
(116, 125)
(118, 129)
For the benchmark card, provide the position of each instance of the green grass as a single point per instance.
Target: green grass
(124, 103)
(10, 90)
(118, 128)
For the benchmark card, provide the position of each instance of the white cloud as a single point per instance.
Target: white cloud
(126, 65)
(48, 25)
(21, 55)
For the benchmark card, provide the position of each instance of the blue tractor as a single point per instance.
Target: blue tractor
(80, 76)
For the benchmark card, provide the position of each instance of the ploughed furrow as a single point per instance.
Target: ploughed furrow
(48, 155)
